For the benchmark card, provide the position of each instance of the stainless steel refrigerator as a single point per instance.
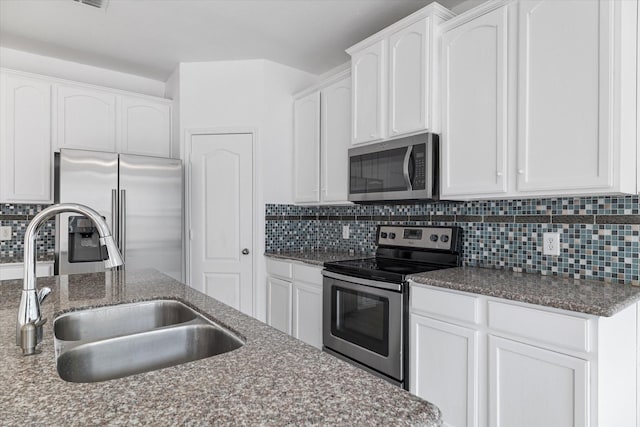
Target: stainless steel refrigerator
(141, 199)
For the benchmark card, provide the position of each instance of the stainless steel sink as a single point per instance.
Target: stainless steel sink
(124, 319)
(117, 341)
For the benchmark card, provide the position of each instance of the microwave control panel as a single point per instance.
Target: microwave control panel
(419, 154)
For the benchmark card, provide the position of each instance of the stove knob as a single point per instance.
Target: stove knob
(433, 237)
(392, 235)
(444, 238)
(383, 235)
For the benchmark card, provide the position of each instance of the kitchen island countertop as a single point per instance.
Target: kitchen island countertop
(273, 379)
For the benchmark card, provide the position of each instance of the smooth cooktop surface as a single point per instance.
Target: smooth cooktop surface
(380, 268)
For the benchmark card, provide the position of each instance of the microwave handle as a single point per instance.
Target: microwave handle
(405, 168)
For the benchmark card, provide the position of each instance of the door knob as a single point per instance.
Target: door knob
(245, 251)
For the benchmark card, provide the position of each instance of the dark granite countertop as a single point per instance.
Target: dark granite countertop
(315, 257)
(584, 296)
(19, 259)
(273, 379)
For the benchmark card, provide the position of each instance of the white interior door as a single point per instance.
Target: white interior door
(221, 218)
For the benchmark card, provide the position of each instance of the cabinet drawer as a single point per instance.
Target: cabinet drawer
(14, 271)
(279, 268)
(553, 328)
(307, 273)
(445, 304)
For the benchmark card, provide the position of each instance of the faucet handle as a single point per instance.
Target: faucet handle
(43, 294)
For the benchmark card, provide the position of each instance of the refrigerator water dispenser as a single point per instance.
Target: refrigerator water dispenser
(84, 241)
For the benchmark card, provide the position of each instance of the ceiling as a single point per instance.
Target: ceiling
(150, 37)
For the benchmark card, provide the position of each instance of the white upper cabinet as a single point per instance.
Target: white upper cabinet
(409, 79)
(322, 136)
(539, 99)
(86, 119)
(146, 127)
(577, 119)
(394, 78)
(475, 106)
(565, 95)
(335, 140)
(25, 140)
(369, 93)
(306, 152)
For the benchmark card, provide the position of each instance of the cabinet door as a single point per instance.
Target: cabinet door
(306, 150)
(25, 140)
(474, 106)
(307, 313)
(409, 79)
(532, 387)
(368, 68)
(279, 304)
(335, 140)
(444, 368)
(564, 76)
(146, 127)
(86, 119)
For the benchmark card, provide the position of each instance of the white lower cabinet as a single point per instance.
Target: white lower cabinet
(294, 300)
(531, 386)
(279, 304)
(448, 379)
(307, 313)
(12, 271)
(486, 361)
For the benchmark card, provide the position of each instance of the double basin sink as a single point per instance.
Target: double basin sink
(117, 341)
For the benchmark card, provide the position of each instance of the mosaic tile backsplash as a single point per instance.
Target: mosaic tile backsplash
(17, 216)
(599, 236)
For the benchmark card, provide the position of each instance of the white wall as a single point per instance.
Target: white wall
(54, 67)
(172, 91)
(253, 95)
(466, 5)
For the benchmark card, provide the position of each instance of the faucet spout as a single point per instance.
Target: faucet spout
(29, 310)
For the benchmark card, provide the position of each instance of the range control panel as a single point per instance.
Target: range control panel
(441, 238)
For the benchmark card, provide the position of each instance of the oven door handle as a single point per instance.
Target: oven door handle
(396, 287)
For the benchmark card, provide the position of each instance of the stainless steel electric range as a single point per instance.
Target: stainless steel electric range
(366, 301)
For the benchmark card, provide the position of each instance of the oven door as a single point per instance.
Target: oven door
(363, 320)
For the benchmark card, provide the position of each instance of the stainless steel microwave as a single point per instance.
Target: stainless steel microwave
(402, 169)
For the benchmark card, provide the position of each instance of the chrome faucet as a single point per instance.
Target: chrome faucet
(30, 321)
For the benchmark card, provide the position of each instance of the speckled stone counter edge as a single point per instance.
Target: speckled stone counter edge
(312, 257)
(582, 296)
(577, 295)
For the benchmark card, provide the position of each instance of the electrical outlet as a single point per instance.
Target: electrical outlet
(5, 233)
(345, 231)
(551, 244)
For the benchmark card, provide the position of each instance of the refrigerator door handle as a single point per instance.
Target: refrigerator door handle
(122, 224)
(114, 214)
